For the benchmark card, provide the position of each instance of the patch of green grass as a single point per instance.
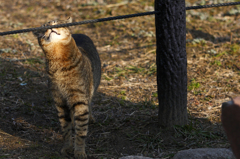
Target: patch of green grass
(135, 69)
(30, 9)
(212, 19)
(33, 61)
(152, 69)
(208, 98)
(216, 62)
(120, 71)
(123, 92)
(193, 85)
(196, 92)
(234, 49)
(220, 54)
(121, 102)
(124, 97)
(107, 78)
(155, 94)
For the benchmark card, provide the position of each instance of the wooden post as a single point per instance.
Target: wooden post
(171, 62)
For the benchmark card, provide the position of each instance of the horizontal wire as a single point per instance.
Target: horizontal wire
(111, 18)
(213, 5)
(78, 23)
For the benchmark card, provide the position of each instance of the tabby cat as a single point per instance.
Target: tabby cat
(74, 68)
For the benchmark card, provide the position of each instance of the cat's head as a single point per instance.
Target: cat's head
(54, 35)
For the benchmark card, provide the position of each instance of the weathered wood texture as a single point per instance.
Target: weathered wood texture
(171, 62)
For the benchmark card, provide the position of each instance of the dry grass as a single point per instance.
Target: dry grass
(126, 105)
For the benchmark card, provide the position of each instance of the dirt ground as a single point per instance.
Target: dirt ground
(125, 106)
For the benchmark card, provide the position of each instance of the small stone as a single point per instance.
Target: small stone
(135, 157)
(205, 153)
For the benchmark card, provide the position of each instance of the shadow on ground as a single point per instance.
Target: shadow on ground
(30, 129)
(200, 34)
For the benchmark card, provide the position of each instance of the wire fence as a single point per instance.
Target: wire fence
(112, 18)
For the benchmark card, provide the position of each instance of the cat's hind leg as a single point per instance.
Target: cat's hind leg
(80, 112)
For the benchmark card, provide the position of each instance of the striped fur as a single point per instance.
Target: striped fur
(74, 69)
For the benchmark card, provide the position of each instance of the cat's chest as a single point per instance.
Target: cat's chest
(55, 65)
(63, 82)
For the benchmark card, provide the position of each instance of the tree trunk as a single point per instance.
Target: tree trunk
(171, 62)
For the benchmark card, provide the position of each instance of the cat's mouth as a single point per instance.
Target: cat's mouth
(53, 31)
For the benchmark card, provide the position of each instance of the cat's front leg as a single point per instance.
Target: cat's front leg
(66, 123)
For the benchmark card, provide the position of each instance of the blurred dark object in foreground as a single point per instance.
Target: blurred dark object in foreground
(231, 123)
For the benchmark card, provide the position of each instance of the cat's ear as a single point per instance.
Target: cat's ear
(69, 20)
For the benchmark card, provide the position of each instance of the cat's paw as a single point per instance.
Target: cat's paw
(80, 155)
